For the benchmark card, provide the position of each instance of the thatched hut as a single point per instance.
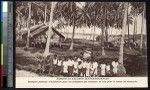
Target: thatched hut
(38, 36)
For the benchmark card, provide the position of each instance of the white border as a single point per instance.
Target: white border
(66, 82)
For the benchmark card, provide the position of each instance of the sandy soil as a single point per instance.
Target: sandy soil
(23, 73)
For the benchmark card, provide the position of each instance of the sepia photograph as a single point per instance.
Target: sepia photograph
(80, 39)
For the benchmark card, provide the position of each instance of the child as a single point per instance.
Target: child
(39, 70)
(75, 69)
(84, 68)
(88, 68)
(55, 61)
(70, 67)
(91, 69)
(65, 68)
(103, 67)
(79, 59)
(59, 64)
(99, 70)
(95, 65)
(115, 64)
(108, 69)
(80, 68)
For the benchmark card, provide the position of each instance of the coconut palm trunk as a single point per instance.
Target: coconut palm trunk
(135, 27)
(72, 41)
(47, 48)
(142, 25)
(103, 30)
(106, 23)
(73, 33)
(124, 27)
(28, 27)
(128, 27)
(45, 14)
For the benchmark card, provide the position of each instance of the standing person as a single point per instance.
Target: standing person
(103, 67)
(79, 59)
(84, 68)
(87, 53)
(80, 68)
(108, 69)
(115, 69)
(50, 65)
(91, 68)
(39, 70)
(95, 66)
(65, 67)
(43, 65)
(59, 64)
(88, 68)
(99, 70)
(55, 61)
(70, 66)
(75, 69)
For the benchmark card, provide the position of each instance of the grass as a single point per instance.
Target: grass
(135, 64)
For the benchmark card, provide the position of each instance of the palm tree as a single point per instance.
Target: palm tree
(124, 27)
(137, 8)
(129, 21)
(142, 25)
(28, 27)
(45, 14)
(46, 52)
(73, 7)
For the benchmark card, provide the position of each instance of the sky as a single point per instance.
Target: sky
(5, 6)
(110, 30)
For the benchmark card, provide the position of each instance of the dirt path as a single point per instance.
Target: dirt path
(23, 73)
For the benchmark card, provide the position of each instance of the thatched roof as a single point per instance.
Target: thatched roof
(39, 29)
(33, 28)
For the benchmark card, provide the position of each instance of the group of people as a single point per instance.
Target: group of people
(74, 66)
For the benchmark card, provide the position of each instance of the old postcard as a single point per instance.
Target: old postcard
(81, 44)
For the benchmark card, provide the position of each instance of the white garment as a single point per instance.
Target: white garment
(55, 61)
(113, 63)
(91, 68)
(80, 66)
(65, 67)
(59, 62)
(115, 69)
(70, 62)
(95, 65)
(75, 64)
(107, 68)
(84, 64)
(87, 69)
(87, 54)
(79, 59)
(103, 66)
